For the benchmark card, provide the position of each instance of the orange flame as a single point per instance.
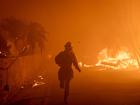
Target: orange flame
(122, 60)
(38, 82)
(81, 64)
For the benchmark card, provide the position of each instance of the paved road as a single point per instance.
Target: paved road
(102, 88)
(87, 88)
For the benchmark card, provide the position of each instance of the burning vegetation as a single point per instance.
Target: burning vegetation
(20, 43)
(122, 59)
(19, 37)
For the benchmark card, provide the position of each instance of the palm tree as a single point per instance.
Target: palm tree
(25, 36)
(36, 36)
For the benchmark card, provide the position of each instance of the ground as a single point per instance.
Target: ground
(87, 88)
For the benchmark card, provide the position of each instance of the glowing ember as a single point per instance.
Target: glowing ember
(40, 77)
(123, 59)
(37, 83)
(22, 87)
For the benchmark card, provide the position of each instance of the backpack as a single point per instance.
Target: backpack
(59, 59)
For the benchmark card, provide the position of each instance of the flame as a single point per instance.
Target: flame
(81, 64)
(122, 60)
(38, 82)
(40, 77)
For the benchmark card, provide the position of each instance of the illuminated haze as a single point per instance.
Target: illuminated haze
(90, 25)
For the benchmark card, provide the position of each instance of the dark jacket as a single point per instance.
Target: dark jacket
(65, 60)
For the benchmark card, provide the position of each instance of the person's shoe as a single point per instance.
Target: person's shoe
(65, 101)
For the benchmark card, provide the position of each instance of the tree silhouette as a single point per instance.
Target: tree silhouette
(4, 49)
(25, 36)
(36, 36)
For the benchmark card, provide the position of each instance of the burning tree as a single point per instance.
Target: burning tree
(19, 39)
(26, 37)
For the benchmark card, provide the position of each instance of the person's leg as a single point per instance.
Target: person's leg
(61, 83)
(66, 93)
(61, 78)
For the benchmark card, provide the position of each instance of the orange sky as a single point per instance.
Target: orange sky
(90, 25)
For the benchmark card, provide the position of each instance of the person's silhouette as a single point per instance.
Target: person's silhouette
(65, 59)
